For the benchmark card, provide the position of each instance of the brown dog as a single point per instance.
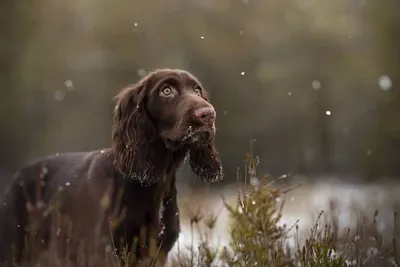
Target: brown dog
(86, 203)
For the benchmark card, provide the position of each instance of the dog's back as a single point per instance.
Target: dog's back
(12, 216)
(30, 192)
(58, 201)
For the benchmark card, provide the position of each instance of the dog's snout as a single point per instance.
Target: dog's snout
(205, 115)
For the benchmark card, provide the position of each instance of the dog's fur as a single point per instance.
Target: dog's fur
(112, 197)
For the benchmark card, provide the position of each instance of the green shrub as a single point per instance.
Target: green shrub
(257, 237)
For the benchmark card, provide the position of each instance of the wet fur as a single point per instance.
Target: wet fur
(126, 183)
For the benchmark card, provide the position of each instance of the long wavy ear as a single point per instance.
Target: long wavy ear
(205, 163)
(134, 136)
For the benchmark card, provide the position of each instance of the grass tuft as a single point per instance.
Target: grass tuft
(257, 237)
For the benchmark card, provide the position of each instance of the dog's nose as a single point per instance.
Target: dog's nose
(205, 115)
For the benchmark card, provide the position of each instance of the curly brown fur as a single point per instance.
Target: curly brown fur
(88, 201)
(205, 163)
(135, 137)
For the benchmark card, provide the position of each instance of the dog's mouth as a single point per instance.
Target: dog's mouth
(203, 135)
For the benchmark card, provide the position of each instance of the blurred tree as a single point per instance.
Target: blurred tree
(383, 156)
(18, 19)
(273, 68)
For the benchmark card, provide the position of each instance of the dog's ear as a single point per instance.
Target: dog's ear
(205, 163)
(133, 135)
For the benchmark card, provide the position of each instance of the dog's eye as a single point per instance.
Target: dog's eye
(166, 90)
(197, 90)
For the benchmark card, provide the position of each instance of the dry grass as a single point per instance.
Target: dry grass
(257, 238)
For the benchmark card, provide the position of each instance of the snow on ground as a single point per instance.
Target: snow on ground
(303, 204)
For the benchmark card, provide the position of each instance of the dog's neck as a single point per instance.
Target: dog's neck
(149, 164)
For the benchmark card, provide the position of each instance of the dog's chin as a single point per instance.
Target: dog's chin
(203, 137)
(198, 138)
(172, 144)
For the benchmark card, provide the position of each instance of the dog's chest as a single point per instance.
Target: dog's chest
(134, 204)
(134, 213)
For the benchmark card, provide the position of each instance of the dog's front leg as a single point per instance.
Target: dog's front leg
(170, 220)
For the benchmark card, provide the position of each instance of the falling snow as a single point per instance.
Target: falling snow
(108, 248)
(254, 181)
(59, 95)
(242, 73)
(316, 84)
(69, 84)
(385, 83)
(141, 72)
(328, 113)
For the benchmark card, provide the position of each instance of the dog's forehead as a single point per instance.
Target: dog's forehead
(188, 77)
(182, 75)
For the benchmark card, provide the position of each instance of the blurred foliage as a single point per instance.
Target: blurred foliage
(258, 237)
(274, 69)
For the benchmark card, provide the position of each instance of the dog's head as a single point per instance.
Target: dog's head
(165, 113)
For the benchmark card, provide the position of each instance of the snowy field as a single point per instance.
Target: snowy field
(303, 204)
